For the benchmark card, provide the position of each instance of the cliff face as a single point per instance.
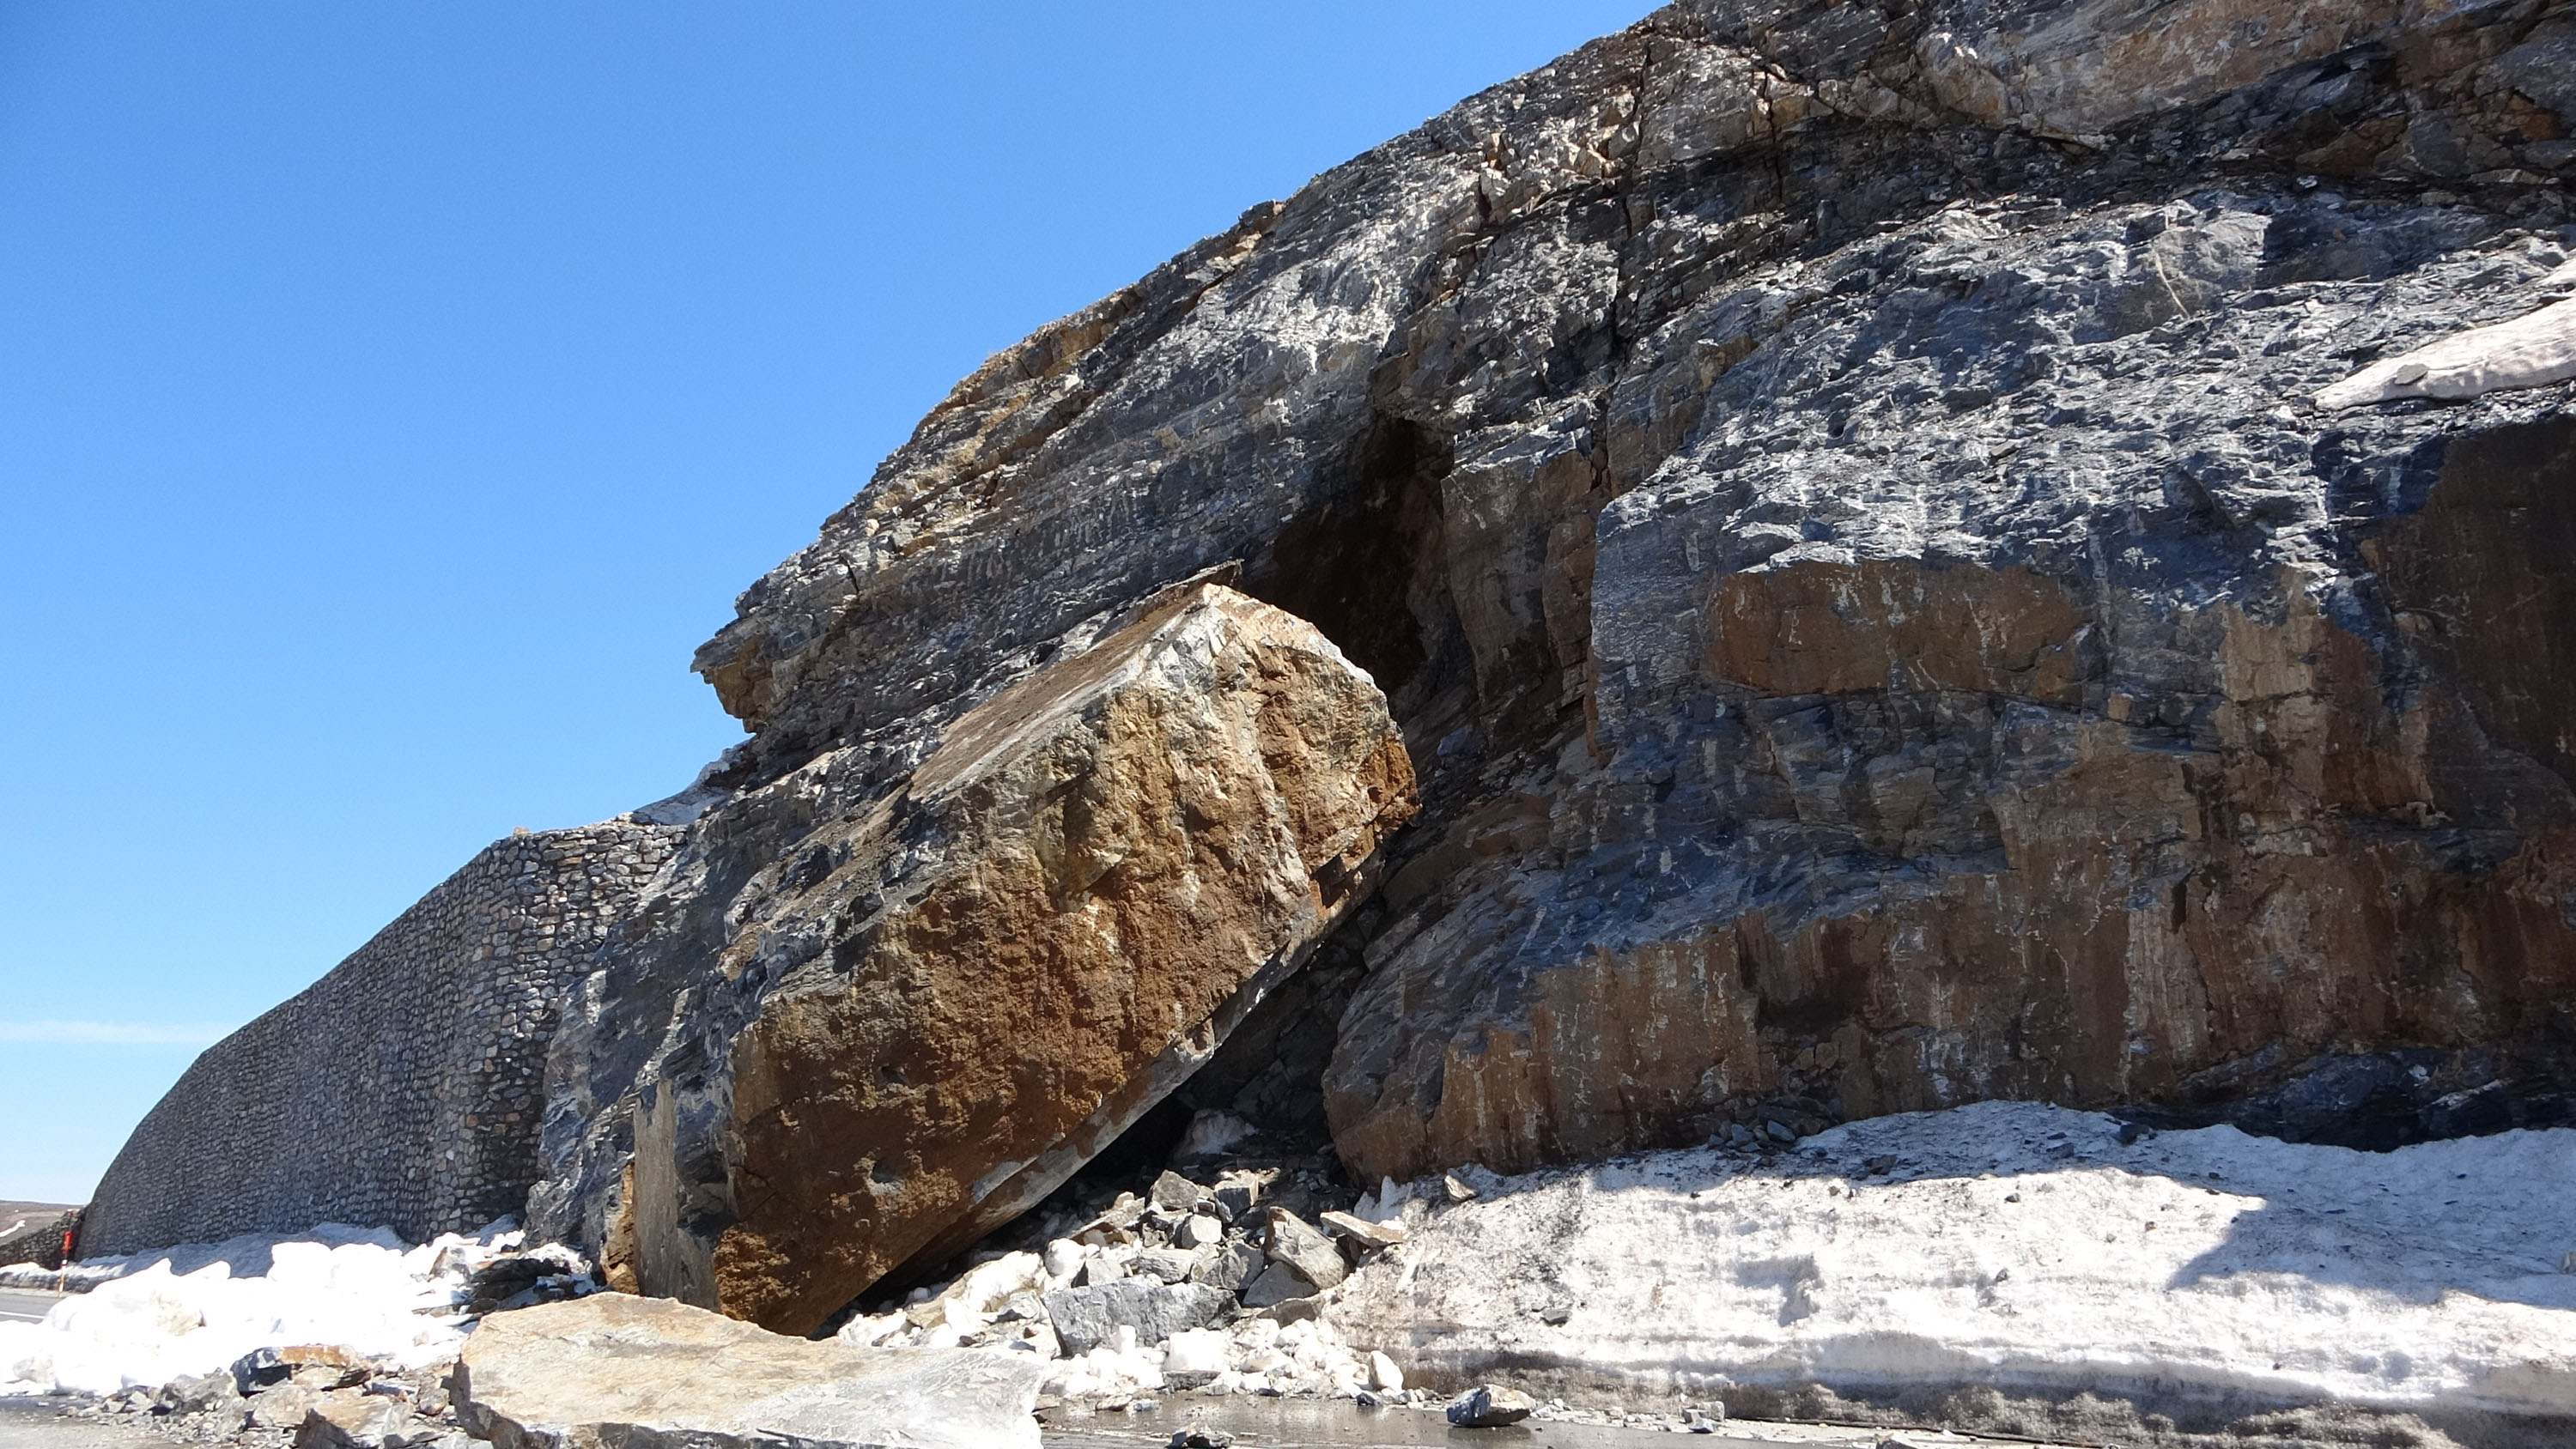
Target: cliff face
(1831, 497)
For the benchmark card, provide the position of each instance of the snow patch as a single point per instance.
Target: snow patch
(150, 1318)
(2014, 1245)
(2532, 350)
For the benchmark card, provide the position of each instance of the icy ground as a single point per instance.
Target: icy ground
(156, 1317)
(2017, 1246)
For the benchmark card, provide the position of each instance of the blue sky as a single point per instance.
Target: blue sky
(392, 397)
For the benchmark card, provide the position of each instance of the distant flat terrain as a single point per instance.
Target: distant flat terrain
(20, 1217)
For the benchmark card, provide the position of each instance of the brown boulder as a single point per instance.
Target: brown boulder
(1075, 898)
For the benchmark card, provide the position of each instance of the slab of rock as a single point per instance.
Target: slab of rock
(1230, 1265)
(1087, 1318)
(1295, 1242)
(612, 1369)
(951, 998)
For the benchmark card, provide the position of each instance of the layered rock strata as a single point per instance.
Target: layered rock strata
(1831, 496)
(405, 1088)
(925, 1014)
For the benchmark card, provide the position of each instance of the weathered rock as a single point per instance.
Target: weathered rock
(945, 1001)
(1878, 628)
(1086, 1318)
(1277, 1283)
(1368, 1235)
(283, 1407)
(1231, 1265)
(355, 1419)
(612, 1369)
(1290, 1239)
(196, 1393)
(1489, 1407)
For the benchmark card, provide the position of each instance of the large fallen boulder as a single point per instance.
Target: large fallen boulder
(635, 1372)
(934, 1004)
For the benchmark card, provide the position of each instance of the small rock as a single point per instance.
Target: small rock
(1231, 1266)
(195, 1394)
(1167, 1265)
(283, 1407)
(1100, 1270)
(1383, 1375)
(1295, 1242)
(1368, 1235)
(1238, 1193)
(1198, 1230)
(1278, 1283)
(1174, 1193)
(1195, 1437)
(1490, 1407)
(1880, 1166)
(355, 1419)
(1457, 1191)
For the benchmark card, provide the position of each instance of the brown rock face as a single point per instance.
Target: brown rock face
(1076, 897)
(2109, 910)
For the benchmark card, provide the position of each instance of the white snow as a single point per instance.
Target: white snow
(2532, 350)
(155, 1317)
(2014, 1245)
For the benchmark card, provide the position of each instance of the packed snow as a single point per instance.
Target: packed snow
(154, 1318)
(2017, 1246)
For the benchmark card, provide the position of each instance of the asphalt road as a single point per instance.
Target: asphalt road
(25, 1307)
(42, 1424)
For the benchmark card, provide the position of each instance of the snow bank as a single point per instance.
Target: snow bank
(2012, 1245)
(155, 1317)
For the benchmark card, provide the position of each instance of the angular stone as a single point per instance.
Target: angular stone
(1295, 1242)
(1086, 1318)
(355, 1419)
(1275, 1284)
(613, 1369)
(1064, 911)
(1230, 1265)
(1370, 1236)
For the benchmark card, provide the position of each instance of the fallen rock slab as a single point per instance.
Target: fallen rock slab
(615, 1370)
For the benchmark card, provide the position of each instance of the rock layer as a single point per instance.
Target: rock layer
(1066, 908)
(1829, 494)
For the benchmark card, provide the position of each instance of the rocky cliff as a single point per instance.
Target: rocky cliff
(1833, 498)
(1852, 522)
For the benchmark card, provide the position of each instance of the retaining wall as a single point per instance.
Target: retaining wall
(405, 1088)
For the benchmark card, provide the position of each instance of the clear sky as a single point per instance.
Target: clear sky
(393, 395)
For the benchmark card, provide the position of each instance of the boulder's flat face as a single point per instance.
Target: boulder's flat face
(1071, 902)
(617, 1372)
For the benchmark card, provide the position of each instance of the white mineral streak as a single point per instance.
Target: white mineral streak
(2014, 1245)
(2533, 350)
(156, 1317)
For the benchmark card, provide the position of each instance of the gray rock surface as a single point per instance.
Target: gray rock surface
(1828, 494)
(1088, 1318)
(612, 1370)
